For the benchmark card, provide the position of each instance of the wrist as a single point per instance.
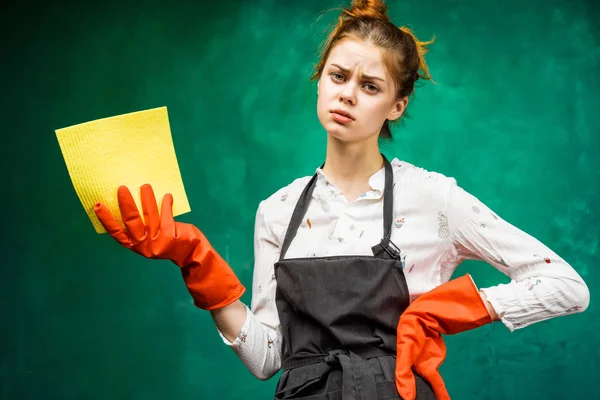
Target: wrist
(489, 307)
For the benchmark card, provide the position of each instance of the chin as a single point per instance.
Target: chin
(337, 131)
(345, 134)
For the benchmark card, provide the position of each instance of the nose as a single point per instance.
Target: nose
(347, 95)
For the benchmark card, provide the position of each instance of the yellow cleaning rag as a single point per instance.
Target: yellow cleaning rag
(131, 150)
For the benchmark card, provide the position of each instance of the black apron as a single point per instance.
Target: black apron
(339, 316)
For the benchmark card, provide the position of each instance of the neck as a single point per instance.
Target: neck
(350, 165)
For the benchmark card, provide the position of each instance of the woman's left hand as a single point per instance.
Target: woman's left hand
(453, 307)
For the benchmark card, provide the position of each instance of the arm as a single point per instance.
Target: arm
(230, 319)
(489, 307)
(209, 279)
(542, 285)
(254, 334)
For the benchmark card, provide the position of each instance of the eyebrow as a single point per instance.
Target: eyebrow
(346, 70)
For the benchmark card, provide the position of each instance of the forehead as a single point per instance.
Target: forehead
(351, 53)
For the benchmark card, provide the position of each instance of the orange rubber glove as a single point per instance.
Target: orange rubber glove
(209, 279)
(453, 307)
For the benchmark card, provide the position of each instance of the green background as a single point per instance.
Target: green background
(514, 119)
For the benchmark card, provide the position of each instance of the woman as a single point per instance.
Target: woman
(351, 286)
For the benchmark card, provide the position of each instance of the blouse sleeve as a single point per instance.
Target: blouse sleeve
(542, 285)
(259, 343)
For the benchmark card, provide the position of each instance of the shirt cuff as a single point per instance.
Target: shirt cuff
(493, 297)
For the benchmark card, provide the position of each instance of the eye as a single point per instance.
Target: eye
(337, 76)
(371, 88)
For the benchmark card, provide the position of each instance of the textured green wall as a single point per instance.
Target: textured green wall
(514, 118)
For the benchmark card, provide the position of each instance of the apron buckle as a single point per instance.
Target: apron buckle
(390, 248)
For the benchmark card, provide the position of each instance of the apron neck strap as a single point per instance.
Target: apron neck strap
(306, 196)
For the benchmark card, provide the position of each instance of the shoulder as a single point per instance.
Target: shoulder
(419, 176)
(276, 210)
(430, 187)
(288, 192)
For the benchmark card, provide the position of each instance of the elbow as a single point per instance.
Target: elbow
(583, 297)
(578, 296)
(267, 368)
(264, 377)
(264, 374)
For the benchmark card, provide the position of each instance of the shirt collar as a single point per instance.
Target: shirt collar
(376, 182)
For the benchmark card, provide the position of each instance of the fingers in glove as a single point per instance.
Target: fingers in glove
(437, 384)
(405, 378)
(430, 359)
(150, 210)
(131, 215)
(167, 223)
(113, 228)
(406, 384)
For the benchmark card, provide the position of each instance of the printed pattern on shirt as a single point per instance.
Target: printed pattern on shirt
(530, 284)
(443, 227)
(399, 222)
(546, 259)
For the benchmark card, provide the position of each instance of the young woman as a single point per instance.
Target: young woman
(351, 288)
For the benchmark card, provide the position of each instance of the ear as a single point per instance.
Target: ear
(398, 109)
(318, 85)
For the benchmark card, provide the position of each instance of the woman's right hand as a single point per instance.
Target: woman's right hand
(208, 277)
(160, 237)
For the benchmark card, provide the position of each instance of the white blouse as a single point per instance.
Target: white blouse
(436, 225)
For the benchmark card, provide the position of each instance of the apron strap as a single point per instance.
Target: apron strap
(306, 196)
(388, 199)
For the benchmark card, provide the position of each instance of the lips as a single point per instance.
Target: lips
(343, 113)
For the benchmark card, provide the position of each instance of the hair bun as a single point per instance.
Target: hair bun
(368, 8)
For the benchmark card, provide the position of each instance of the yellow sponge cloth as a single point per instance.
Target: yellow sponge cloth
(131, 150)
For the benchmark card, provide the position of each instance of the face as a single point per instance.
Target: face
(356, 94)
